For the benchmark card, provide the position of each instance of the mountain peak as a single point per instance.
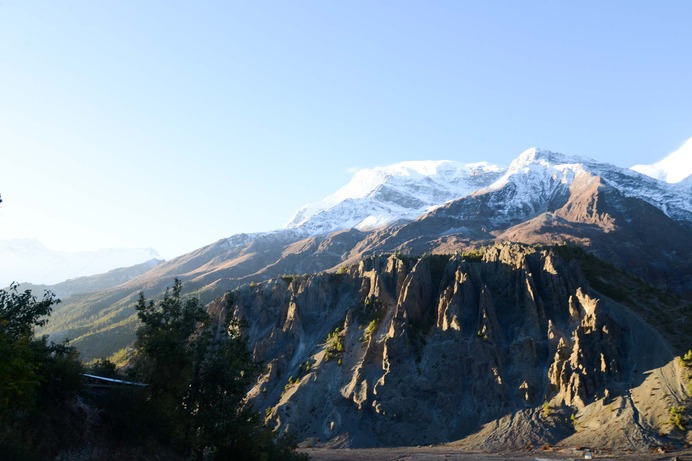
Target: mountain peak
(535, 155)
(674, 168)
(366, 181)
(381, 195)
(404, 191)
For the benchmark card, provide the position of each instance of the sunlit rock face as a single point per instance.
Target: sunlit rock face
(398, 350)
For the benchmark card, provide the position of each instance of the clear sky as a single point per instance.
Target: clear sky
(171, 124)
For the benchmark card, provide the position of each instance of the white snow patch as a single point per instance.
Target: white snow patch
(378, 196)
(382, 195)
(675, 167)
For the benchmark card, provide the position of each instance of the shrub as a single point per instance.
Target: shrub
(335, 345)
(687, 359)
(287, 277)
(546, 409)
(677, 417)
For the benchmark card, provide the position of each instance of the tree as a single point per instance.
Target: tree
(38, 379)
(21, 312)
(164, 356)
(223, 372)
(20, 366)
(198, 375)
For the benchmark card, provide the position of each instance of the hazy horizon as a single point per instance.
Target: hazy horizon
(170, 125)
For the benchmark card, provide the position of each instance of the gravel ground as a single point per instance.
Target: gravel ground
(451, 454)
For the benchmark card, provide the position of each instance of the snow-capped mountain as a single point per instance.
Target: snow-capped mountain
(382, 195)
(538, 176)
(674, 168)
(638, 223)
(404, 191)
(27, 260)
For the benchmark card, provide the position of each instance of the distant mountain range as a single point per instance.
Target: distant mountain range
(93, 283)
(404, 191)
(28, 260)
(496, 307)
(384, 196)
(435, 207)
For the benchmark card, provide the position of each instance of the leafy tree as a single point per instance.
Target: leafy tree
(105, 368)
(20, 366)
(21, 312)
(38, 380)
(165, 353)
(198, 374)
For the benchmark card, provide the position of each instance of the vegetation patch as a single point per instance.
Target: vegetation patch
(334, 346)
(677, 417)
(188, 401)
(473, 254)
(686, 362)
(288, 277)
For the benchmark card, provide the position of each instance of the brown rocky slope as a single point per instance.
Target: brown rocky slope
(501, 348)
(589, 211)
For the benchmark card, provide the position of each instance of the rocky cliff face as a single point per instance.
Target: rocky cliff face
(637, 223)
(510, 346)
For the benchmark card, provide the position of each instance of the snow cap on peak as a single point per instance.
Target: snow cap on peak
(365, 181)
(674, 168)
(527, 157)
(375, 196)
(537, 156)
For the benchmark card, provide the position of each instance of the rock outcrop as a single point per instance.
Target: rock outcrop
(543, 198)
(511, 346)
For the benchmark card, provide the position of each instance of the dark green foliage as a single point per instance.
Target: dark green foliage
(437, 264)
(198, 374)
(21, 312)
(334, 345)
(473, 255)
(39, 381)
(371, 312)
(407, 259)
(677, 417)
(165, 353)
(687, 358)
(103, 367)
(371, 309)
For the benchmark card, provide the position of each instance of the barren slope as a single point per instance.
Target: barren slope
(514, 344)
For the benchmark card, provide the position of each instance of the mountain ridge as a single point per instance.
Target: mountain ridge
(539, 309)
(379, 196)
(404, 350)
(545, 198)
(29, 261)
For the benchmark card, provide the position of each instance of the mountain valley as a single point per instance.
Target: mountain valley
(437, 302)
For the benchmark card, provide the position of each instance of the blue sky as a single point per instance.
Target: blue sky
(173, 124)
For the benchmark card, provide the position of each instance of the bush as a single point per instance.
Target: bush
(677, 417)
(687, 359)
(334, 346)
